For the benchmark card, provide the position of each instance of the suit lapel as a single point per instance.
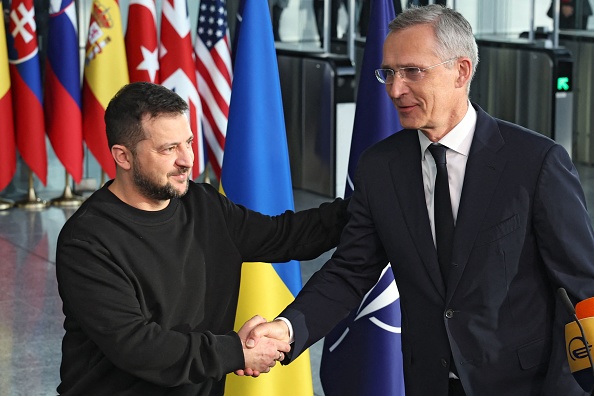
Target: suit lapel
(407, 180)
(483, 171)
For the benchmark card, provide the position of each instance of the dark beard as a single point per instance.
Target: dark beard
(151, 190)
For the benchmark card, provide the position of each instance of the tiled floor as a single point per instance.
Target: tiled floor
(30, 308)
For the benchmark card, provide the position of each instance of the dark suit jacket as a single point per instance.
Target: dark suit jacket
(522, 232)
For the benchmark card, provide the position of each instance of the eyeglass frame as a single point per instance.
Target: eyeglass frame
(400, 72)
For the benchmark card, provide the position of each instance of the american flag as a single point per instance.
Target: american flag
(214, 72)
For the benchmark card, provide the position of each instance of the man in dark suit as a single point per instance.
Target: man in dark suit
(488, 322)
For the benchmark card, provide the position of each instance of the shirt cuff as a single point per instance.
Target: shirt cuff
(290, 326)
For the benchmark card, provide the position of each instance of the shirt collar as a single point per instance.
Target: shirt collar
(458, 139)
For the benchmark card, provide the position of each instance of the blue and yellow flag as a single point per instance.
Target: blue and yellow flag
(256, 174)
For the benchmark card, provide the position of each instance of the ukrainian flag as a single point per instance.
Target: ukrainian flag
(256, 174)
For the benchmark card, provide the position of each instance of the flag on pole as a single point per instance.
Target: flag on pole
(375, 115)
(178, 70)
(238, 18)
(363, 355)
(105, 72)
(7, 141)
(256, 174)
(213, 64)
(142, 50)
(25, 74)
(62, 96)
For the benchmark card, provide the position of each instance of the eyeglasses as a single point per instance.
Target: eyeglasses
(407, 74)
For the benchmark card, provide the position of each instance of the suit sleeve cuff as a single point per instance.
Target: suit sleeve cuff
(290, 326)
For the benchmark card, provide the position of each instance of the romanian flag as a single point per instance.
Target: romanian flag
(62, 101)
(26, 88)
(256, 174)
(7, 141)
(105, 72)
(142, 49)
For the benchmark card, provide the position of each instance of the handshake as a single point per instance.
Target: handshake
(264, 343)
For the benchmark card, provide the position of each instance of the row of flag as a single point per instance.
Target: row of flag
(33, 103)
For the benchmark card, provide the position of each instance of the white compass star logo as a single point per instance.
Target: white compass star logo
(367, 308)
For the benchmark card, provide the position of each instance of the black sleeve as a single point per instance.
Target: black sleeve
(302, 235)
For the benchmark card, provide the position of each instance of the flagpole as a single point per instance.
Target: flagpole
(32, 202)
(206, 176)
(67, 199)
(6, 204)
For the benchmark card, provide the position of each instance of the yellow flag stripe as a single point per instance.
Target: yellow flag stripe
(4, 71)
(106, 69)
(264, 293)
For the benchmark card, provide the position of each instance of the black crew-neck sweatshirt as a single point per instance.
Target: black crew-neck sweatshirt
(150, 297)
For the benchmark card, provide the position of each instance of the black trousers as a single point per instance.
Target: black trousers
(455, 388)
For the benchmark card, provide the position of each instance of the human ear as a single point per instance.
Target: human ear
(122, 156)
(464, 68)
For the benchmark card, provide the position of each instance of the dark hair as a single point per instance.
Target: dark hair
(132, 103)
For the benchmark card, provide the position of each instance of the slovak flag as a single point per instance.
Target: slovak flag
(178, 70)
(25, 74)
(62, 101)
(142, 50)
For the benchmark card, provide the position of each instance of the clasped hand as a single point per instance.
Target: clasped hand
(264, 343)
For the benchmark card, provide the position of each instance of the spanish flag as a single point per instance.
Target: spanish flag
(105, 72)
(7, 140)
(256, 174)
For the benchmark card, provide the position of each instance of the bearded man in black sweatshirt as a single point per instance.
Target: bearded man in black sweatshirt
(149, 266)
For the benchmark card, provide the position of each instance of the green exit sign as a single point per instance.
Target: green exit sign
(563, 84)
(563, 76)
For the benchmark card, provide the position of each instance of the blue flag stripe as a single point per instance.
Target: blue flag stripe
(257, 174)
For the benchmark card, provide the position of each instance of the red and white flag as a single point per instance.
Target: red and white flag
(178, 70)
(214, 67)
(142, 49)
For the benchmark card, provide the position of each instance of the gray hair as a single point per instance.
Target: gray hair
(452, 31)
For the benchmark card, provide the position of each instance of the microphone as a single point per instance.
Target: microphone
(585, 309)
(577, 346)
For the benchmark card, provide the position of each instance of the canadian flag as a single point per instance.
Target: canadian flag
(142, 49)
(178, 69)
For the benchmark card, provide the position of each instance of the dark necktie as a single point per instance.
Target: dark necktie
(444, 220)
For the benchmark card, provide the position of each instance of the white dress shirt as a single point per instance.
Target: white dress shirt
(458, 141)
